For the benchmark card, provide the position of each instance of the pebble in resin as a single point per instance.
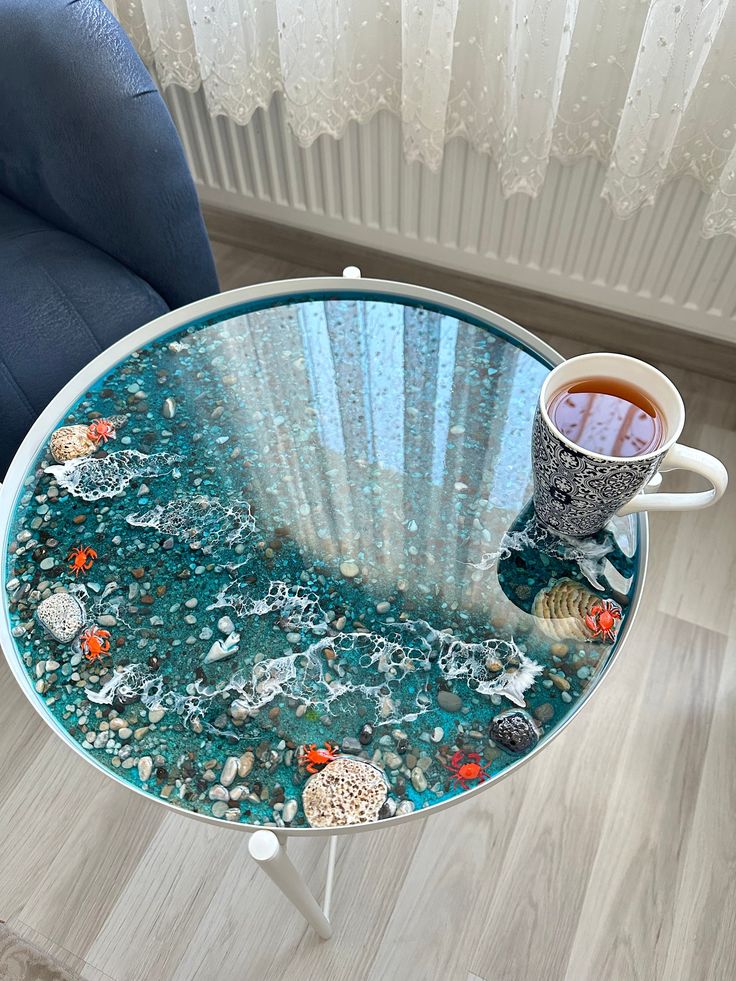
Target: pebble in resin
(561, 609)
(62, 616)
(70, 442)
(515, 731)
(346, 791)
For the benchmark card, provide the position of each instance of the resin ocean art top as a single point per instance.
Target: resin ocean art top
(278, 566)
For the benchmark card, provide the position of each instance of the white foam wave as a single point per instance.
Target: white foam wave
(203, 522)
(90, 478)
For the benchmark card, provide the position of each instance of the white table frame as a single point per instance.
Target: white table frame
(268, 846)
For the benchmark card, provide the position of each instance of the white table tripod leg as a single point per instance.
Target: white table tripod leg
(271, 855)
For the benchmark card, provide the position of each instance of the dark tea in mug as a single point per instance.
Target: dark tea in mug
(608, 416)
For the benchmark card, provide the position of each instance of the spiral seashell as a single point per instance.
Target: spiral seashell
(561, 607)
(69, 443)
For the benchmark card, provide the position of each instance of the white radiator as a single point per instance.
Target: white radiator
(565, 242)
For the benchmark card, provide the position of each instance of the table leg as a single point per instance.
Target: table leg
(270, 853)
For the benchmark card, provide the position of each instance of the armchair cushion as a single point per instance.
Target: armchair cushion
(63, 301)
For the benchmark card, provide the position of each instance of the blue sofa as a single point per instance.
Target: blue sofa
(100, 227)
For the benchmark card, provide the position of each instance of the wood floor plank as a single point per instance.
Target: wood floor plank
(626, 922)
(699, 583)
(703, 941)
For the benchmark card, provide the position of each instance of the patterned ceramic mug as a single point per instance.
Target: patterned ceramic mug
(576, 491)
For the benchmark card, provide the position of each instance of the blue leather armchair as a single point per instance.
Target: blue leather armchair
(100, 227)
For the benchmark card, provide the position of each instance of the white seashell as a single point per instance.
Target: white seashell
(70, 442)
(222, 649)
(561, 608)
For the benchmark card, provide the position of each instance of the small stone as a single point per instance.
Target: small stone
(418, 779)
(515, 730)
(225, 625)
(106, 620)
(560, 682)
(48, 563)
(239, 711)
(449, 701)
(145, 768)
(383, 607)
(365, 736)
(405, 807)
(437, 735)
(125, 733)
(544, 712)
(218, 792)
(219, 809)
(155, 715)
(245, 763)
(168, 409)
(559, 650)
(351, 745)
(392, 760)
(229, 771)
(289, 812)
(350, 569)
(388, 809)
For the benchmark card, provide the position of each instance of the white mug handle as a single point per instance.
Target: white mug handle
(681, 457)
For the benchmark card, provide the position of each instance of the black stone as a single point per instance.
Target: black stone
(515, 731)
(366, 734)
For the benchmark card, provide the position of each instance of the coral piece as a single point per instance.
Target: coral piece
(347, 791)
(69, 443)
(515, 730)
(62, 616)
(562, 608)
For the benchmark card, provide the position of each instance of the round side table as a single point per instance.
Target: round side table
(270, 560)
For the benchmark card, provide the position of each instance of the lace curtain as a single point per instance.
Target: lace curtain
(646, 86)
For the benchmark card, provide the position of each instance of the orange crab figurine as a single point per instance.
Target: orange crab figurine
(81, 559)
(315, 758)
(601, 621)
(94, 643)
(101, 430)
(467, 768)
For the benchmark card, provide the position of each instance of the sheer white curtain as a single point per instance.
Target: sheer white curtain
(647, 86)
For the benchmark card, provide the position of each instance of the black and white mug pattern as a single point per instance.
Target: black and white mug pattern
(576, 494)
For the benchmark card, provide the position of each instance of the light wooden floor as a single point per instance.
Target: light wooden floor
(612, 856)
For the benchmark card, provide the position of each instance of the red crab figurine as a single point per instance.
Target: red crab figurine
(82, 559)
(94, 642)
(315, 759)
(101, 430)
(467, 768)
(601, 621)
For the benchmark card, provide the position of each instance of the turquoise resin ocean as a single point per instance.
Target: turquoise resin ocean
(311, 527)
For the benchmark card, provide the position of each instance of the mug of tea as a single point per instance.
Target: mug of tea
(605, 425)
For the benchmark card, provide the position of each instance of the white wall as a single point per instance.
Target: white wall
(565, 242)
